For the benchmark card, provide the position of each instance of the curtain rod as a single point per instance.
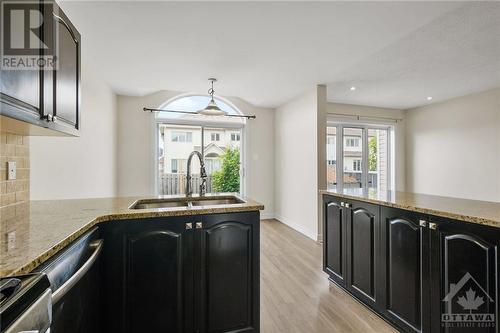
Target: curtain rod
(187, 112)
(358, 117)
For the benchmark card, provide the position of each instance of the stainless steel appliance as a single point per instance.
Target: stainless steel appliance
(74, 276)
(25, 304)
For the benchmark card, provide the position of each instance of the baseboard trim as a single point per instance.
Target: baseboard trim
(310, 234)
(267, 216)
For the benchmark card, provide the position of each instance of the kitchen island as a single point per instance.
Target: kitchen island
(410, 257)
(162, 264)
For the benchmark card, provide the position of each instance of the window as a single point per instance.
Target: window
(365, 160)
(352, 142)
(215, 137)
(218, 139)
(182, 136)
(356, 165)
(331, 156)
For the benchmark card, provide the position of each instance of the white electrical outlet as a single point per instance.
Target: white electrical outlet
(11, 167)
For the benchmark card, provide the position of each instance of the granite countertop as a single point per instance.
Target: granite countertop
(45, 227)
(473, 211)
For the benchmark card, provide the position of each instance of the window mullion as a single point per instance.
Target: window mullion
(364, 159)
(340, 157)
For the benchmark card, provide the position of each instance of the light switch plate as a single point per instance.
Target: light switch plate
(11, 167)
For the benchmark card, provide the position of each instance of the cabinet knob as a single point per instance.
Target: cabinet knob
(54, 119)
(347, 205)
(432, 226)
(189, 226)
(342, 204)
(199, 225)
(423, 223)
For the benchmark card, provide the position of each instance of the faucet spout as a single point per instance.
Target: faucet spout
(203, 174)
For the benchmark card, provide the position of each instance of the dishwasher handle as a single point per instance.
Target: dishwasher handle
(70, 283)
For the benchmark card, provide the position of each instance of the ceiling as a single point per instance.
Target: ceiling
(395, 53)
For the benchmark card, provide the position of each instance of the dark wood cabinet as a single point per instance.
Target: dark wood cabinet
(415, 270)
(20, 94)
(362, 250)
(404, 294)
(229, 273)
(350, 250)
(62, 85)
(335, 245)
(465, 276)
(183, 274)
(148, 275)
(48, 97)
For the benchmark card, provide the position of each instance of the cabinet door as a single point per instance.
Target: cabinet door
(362, 250)
(20, 94)
(404, 290)
(20, 87)
(62, 85)
(149, 276)
(464, 277)
(229, 273)
(67, 75)
(334, 245)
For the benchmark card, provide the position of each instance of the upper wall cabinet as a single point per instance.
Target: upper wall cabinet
(47, 94)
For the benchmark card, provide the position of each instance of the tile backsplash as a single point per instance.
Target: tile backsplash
(14, 148)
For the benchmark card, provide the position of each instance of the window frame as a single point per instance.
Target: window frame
(203, 127)
(154, 133)
(340, 125)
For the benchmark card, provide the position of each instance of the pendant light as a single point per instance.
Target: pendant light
(212, 109)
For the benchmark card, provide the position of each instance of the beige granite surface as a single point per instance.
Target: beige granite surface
(31, 239)
(473, 211)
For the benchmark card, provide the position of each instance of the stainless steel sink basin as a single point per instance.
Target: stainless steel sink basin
(150, 204)
(186, 202)
(216, 202)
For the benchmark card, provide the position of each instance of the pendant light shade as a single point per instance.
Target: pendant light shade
(212, 109)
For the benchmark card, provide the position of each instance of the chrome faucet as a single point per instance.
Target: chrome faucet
(203, 175)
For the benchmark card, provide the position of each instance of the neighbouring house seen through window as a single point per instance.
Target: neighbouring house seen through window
(365, 156)
(182, 136)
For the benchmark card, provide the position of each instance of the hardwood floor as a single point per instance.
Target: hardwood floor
(296, 296)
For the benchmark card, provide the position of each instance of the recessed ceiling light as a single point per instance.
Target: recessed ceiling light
(353, 88)
(429, 98)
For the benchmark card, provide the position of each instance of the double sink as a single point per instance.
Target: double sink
(220, 200)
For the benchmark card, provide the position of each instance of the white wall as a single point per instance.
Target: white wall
(453, 147)
(136, 148)
(399, 131)
(296, 175)
(84, 166)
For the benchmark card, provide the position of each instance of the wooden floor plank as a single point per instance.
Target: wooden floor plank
(296, 296)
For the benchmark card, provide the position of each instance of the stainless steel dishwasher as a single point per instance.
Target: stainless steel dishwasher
(25, 304)
(75, 281)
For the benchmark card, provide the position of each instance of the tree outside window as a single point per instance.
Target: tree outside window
(227, 179)
(372, 153)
